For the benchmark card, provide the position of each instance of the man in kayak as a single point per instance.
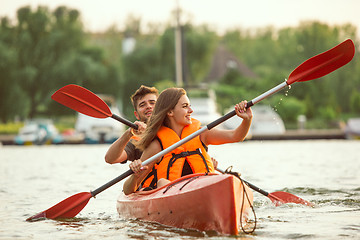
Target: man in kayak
(171, 121)
(123, 149)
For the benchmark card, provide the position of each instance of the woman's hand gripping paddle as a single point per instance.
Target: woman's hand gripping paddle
(313, 68)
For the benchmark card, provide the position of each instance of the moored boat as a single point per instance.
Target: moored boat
(38, 132)
(210, 202)
(352, 129)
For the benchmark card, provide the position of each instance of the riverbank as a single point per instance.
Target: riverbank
(303, 135)
(8, 139)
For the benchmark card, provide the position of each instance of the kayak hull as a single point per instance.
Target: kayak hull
(202, 202)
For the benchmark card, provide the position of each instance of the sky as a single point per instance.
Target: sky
(219, 14)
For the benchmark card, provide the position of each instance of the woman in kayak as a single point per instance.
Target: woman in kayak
(171, 121)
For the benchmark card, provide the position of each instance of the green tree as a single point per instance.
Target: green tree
(153, 59)
(8, 90)
(200, 43)
(46, 50)
(289, 108)
(274, 54)
(234, 87)
(43, 40)
(43, 52)
(355, 101)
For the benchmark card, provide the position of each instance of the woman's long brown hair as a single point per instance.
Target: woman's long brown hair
(166, 101)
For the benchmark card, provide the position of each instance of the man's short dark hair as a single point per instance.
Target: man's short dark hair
(141, 92)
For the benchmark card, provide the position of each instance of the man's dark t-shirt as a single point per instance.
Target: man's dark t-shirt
(132, 152)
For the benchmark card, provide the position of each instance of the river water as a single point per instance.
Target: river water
(325, 172)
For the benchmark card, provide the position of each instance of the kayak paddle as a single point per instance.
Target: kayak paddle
(86, 102)
(282, 197)
(313, 68)
(278, 198)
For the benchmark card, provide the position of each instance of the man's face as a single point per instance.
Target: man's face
(145, 107)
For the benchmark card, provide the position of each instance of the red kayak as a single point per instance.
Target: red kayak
(196, 201)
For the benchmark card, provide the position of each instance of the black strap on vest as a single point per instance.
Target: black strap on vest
(153, 183)
(184, 155)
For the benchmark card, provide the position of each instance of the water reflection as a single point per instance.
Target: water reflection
(36, 178)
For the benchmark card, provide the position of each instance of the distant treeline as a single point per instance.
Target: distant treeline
(44, 50)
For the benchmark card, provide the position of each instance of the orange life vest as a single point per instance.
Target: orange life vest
(193, 151)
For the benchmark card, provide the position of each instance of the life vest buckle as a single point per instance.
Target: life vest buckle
(183, 154)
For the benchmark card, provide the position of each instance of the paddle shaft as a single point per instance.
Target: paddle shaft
(211, 125)
(125, 121)
(148, 161)
(188, 138)
(112, 182)
(263, 192)
(252, 186)
(313, 68)
(249, 104)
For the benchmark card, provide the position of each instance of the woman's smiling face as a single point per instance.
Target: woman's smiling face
(182, 111)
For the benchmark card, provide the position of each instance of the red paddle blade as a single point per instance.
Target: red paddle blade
(279, 198)
(82, 100)
(67, 208)
(324, 63)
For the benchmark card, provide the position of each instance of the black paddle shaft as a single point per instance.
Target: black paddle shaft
(112, 182)
(125, 121)
(226, 117)
(253, 187)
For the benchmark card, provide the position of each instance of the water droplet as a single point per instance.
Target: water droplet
(289, 86)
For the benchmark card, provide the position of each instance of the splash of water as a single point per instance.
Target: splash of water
(281, 99)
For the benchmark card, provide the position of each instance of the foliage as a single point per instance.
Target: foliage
(162, 85)
(355, 101)
(46, 50)
(232, 89)
(43, 52)
(273, 53)
(10, 128)
(289, 108)
(153, 60)
(200, 43)
(327, 113)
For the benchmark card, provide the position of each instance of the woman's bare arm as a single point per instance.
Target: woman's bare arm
(219, 136)
(140, 172)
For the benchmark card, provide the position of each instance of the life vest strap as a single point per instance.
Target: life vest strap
(184, 155)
